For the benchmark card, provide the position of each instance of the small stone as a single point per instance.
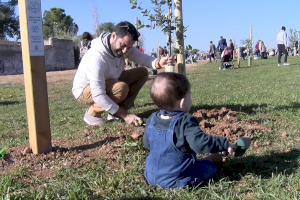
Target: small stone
(136, 135)
(26, 151)
(284, 134)
(268, 143)
(256, 144)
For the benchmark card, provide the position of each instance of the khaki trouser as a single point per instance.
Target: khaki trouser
(123, 91)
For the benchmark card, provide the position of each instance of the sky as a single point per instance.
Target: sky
(207, 20)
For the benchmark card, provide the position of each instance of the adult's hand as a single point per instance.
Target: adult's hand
(128, 117)
(132, 119)
(167, 61)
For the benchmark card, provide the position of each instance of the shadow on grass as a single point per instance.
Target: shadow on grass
(6, 103)
(142, 198)
(264, 166)
(249, 109)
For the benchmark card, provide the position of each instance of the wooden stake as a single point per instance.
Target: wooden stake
(239, 56)
(35, 75)
(179, 36)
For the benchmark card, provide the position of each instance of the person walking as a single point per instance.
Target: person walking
(212, 51)
(282, 46)
(295, 47)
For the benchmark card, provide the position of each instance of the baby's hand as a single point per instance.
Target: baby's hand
(231, 148)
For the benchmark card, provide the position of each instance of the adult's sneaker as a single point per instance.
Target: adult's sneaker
(279, 64)
(110, 117)
(286, 64)
(92, 121)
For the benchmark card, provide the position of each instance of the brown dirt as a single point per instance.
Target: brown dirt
(81, 152)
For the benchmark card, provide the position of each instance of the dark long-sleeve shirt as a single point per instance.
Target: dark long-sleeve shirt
(188, 136)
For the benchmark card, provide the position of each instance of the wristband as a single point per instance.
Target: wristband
(159, 65)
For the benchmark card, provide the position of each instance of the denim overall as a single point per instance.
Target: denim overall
(167, 166)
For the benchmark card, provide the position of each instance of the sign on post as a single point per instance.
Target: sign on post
(35, 75)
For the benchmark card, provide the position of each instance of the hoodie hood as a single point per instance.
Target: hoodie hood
(101, 44)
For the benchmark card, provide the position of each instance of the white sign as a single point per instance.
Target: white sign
(35, 27)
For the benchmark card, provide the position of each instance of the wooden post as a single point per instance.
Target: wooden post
(233, 56)
(250, 53)
(179, 36)
(35, 75)
(239, 56)
(137, 42)
(136, 26)
(158, 50)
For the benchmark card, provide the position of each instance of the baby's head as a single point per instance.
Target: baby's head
(171, 91)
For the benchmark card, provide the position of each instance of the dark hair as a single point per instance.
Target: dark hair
(87, 36)
(126, 28)
(283, 28)
(167, 88)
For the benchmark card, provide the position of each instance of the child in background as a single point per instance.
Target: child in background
(173, 137)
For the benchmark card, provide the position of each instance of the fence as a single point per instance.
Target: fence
(59, 55)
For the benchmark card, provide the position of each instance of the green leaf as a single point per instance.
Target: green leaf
(133, 7)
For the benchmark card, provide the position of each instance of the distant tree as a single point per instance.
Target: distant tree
(9, 22)
(104, 27)
(293, 36)
(95, 17)
(159, 18)
(142, 41)
(194, 51)
(57, 24)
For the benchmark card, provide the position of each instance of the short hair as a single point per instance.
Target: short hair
(87, 36)
(125, 28)
(283, 28)
(167, 88)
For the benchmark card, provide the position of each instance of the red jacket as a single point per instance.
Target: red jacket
(141, 49)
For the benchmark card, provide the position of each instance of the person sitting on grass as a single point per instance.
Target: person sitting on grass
(173, 137)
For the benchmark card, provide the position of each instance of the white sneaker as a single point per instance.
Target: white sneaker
(110, 117)
(286, 64)
(92, 121)
(279, 64)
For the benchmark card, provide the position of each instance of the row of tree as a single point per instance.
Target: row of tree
(55, 23)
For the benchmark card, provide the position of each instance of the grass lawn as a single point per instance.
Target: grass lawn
(269, 170)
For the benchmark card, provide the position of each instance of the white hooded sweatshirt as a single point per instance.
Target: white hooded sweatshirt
(98, 64)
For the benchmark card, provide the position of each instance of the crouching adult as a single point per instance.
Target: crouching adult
(101, 81)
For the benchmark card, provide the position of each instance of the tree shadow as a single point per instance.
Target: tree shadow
(248, 109)
(263, 166)
(6, 103)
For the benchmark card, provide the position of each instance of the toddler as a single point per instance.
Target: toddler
(173, 137)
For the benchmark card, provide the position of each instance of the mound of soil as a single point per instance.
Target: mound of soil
(81, 152)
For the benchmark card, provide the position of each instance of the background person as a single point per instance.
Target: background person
(212, 51)
(262, 50)
(85, 44)
(282, 46)
(101, 81)
(295, 47)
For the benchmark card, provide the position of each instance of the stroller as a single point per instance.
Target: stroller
(226, 59)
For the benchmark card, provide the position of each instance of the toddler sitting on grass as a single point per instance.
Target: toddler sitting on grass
(173, 137)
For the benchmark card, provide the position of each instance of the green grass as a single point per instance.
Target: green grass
(265, 92)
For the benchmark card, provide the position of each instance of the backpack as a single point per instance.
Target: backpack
(224, 41)
(165, 51)
(84, 48)
(161, 51)
(227, 51)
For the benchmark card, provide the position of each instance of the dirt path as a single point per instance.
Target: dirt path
(68, 75)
